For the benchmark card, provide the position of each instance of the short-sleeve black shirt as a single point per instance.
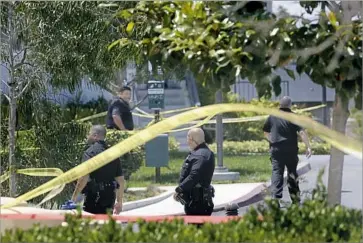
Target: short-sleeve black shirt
(121, 108)
(282, 132)
(107, 172)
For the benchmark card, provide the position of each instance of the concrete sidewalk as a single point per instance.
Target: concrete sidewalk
(225, 194)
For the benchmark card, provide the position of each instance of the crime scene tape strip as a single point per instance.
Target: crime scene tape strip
(201, 123)
(39, 172)
(338, 140)
(256, 118)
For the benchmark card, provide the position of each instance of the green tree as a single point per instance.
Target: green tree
(58, 44)
(221, 41)
(217, 41)
(332, 57)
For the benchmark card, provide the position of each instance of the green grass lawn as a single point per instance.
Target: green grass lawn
(251, 168)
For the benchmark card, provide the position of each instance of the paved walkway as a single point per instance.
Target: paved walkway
(352, 182)
(225, 193)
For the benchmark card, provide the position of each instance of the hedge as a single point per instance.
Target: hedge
(231, 148)
(314, 221)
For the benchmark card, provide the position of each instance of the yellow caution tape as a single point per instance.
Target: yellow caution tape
(340, 141)
(39, 172)
(201, 123)
(256, 118)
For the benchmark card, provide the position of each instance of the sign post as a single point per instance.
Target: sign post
(156, 96)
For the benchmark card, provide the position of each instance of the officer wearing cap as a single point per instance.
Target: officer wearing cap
(119, 114)
(283, 138)
(195, 191)
(103, 186)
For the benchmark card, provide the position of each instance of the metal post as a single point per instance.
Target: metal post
(219, 131)
(325, 109)
(157, 169)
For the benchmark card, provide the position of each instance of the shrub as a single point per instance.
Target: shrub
(173, 145)
(60, 147)
(249, 130)
(314, 221)
(131, 161)
(232, 148)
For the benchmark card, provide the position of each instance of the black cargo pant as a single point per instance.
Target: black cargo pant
(281, 157)
(200, 208)
(101, 202)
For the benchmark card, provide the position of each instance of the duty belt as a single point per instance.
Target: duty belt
(95, 187)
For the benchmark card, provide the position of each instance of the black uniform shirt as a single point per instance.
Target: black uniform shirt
(282, 132)
(121, 108)
(198, 167)
(107, 172)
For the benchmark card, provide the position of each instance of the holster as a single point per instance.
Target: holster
(202, 194)
(94, 187)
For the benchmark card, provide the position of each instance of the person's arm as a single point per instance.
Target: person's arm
(120, 191)
(81, 184)
(116, 116)
(305, 138)
(192, 179)
(267, 129)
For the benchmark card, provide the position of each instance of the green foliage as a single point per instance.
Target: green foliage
(173, 145)
(339, 64)
(252, 130)
(314, 221)
(131, 161)
(231, 148)
(81, 28)
(215, 40)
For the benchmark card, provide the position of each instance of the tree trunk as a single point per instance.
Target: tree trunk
(12, 142)
(335, 179)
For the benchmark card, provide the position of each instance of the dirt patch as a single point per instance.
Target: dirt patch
(151, 191)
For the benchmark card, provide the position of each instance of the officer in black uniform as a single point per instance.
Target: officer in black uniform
(104, 185)
(283, 138)
(119, 114)
(195, 191)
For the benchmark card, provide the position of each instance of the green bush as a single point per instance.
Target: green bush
(249, 130)
(131, 161)
(314, 221)
(61, 147)
(231, 148)
(173, 145)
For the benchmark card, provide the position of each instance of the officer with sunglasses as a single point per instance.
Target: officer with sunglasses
(195, 191)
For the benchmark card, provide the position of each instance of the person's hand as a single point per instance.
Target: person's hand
(308, 152)
(117, 208)
(175, 196)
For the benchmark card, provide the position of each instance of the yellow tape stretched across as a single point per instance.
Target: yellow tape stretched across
(39, 172)
(342, 142)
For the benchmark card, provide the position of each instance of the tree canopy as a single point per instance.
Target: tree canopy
(221, 41)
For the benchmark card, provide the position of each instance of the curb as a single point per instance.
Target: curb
(254, 196)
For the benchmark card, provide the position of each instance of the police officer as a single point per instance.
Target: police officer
(119, 114)
(195, 191)
(283, 138)
(104, 185)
